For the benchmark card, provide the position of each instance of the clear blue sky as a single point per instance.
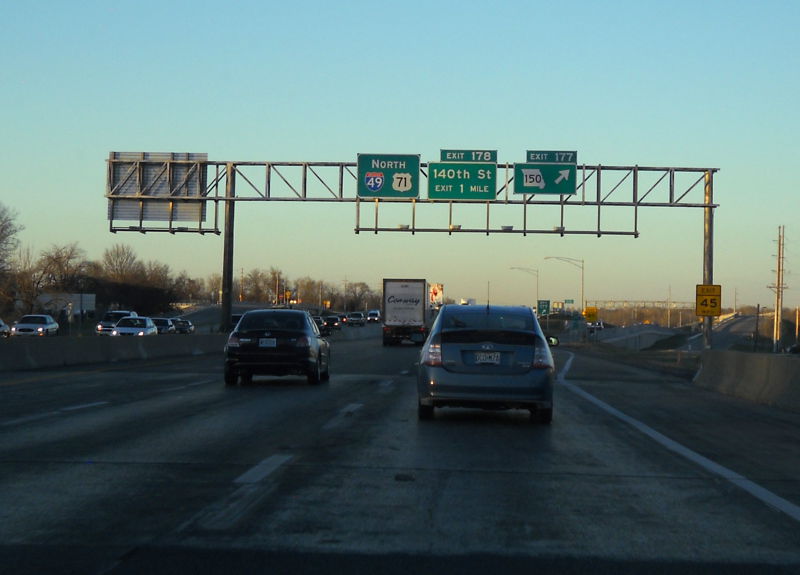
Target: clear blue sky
(681, 83)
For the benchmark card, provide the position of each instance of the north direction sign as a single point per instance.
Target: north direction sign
(462, 181)
(388, 176)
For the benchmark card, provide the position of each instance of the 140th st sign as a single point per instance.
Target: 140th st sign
(461, 181)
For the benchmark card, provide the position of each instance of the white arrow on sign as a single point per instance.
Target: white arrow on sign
(562, 175)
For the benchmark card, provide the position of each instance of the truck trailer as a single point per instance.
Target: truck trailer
(405, 311)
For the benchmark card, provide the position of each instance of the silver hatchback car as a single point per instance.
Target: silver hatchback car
(490, 357)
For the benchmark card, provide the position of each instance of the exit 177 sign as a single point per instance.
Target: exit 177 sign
(546, 172)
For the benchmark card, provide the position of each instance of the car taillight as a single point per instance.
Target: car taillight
(233, 340)
(542, 359)
(432, 354)
(303, 341)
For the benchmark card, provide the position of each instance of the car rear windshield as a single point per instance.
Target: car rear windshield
(509, 329)
(271, 320)
(455, 320)
(499, 336)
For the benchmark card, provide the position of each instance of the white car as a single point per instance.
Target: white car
(110, 319)
(135, 325)
(35, 325)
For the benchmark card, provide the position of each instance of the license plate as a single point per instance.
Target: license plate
(489, 357)
(267, 342)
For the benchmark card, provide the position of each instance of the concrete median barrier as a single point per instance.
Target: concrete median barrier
(20, 353)
(767, 379)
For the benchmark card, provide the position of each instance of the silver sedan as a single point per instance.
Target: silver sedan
(491, 357)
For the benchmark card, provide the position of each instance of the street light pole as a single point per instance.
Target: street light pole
(533, 272)
(578, 263)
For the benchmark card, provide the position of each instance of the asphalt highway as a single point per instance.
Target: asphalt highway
(156, 467)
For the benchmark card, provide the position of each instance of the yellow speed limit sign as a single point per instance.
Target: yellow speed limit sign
(708, 300)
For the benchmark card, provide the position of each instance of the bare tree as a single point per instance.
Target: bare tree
(158, 275)
(186, 288)
(29, 280)
(63, 266)
(9, 228)
(214, 287)
(277, 284)
(357, 295)
(256, 286)
(309, 291)
(120, 264)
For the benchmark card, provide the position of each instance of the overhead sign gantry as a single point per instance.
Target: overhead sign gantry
(177, 193)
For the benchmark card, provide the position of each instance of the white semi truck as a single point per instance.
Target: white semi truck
(405, 311)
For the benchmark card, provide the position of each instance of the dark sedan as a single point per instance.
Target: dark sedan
(182, 325)
(276, 342)
(491, 357)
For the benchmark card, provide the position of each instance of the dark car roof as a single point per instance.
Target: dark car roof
(273, 318)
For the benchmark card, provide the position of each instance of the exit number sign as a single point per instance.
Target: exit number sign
(708, 300)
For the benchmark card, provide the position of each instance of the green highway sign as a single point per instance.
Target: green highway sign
(546, 172)
(551, 157)
(544, 179)
(543, 307)
(469, 156)
(462, 181)
(388, 176)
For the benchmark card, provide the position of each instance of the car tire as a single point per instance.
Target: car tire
(326, 375)
(230, 377)
(315, 374)
(542, 415)
(424, 412)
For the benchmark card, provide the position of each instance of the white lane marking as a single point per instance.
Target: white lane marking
(754, 489)
(263, 469)
(229, 511)
(83, 406)
(385, 386)
(38, 416)
(340, 418)
(29, 418)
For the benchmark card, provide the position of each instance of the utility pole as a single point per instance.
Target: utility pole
(778, 288)
(227, 256)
